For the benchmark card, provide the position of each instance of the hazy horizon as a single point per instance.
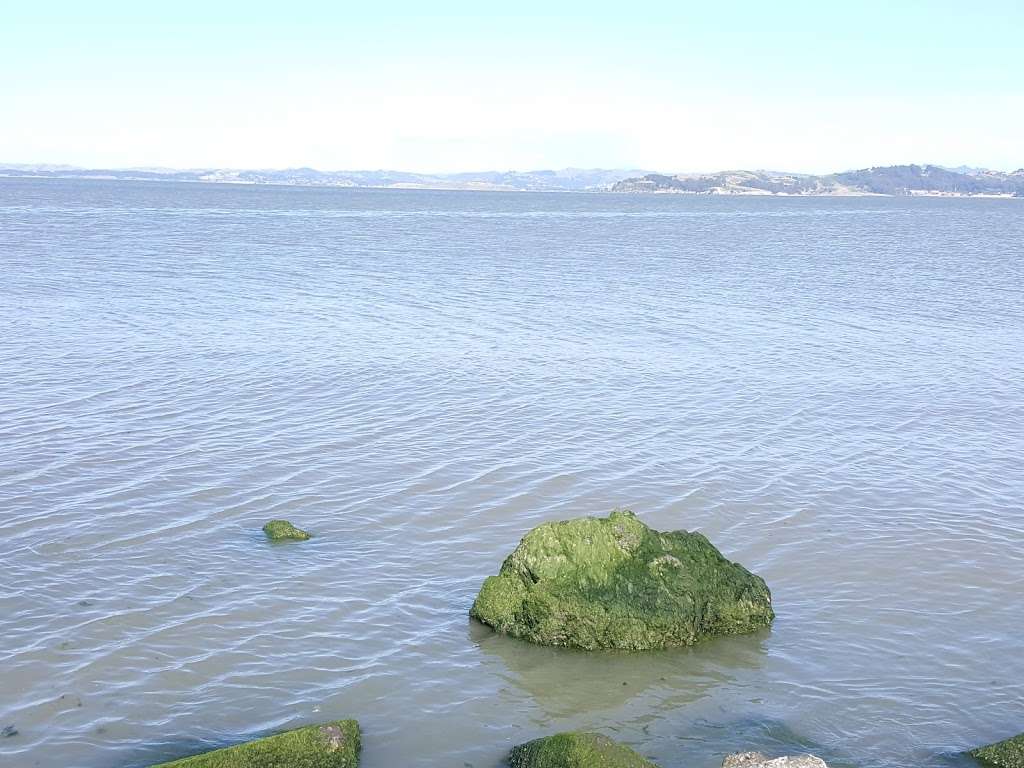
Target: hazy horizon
(551, 169)
(793, 86)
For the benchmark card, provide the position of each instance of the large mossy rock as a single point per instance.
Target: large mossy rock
(331, 745)
(576, 750)
(615, 583)
(1005, 754)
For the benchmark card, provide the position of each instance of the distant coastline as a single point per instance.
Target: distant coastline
(896, 180)
(564, 180)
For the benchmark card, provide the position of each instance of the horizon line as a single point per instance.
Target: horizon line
(553, 169)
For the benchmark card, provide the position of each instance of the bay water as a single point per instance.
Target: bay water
(831, 389)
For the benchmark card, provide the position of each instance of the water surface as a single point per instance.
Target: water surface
(830, 389)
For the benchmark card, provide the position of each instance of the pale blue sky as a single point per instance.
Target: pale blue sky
(807, 86)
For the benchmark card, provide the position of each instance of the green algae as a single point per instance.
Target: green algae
(331, 745)
(576, 750)
(282, 530)
(612, 582)
(1004, 754)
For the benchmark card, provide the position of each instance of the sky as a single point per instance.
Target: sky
(449, 86)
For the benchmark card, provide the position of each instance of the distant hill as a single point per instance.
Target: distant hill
(566, 179)
(890, 180)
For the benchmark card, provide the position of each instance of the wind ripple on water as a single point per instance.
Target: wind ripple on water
(829, 389)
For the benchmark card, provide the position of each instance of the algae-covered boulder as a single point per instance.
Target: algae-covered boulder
(615, 583)
(576, 750)
(331, 745)
(758, 760)
(1005, 754)
(282, 530)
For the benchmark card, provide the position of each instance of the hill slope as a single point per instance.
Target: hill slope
(891, 180)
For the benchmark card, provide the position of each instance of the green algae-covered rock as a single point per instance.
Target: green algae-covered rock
(615, 583)
(576, 750)
(1005, 754)
(282, 530)
(331, 745)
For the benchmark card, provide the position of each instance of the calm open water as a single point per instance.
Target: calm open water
(831, 389)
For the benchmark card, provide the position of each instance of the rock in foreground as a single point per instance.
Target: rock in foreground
(757, 760)
(576, 750)
(1005, 754)
(282, 530)
(615, 583)
(331, 745)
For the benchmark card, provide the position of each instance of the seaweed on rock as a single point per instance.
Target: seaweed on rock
(613, 582)
(331, 745)
(1003, 754)
(282, 530)
(576, 750)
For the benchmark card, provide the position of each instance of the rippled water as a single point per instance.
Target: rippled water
(831, 389)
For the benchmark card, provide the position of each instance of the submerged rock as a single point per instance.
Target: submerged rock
(758, 760)
(1005, 754)
(615, 583)
(282, 530)
(576, 750)
(331, 745)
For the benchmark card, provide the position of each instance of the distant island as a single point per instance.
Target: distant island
(889, 180)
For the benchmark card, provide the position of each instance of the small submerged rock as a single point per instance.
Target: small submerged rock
(282, 530)
(1004, 754)
(576, 750)
(331, 745)
(615, 583)
(758, 760)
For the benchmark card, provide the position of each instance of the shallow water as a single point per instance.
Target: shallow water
(830, 389)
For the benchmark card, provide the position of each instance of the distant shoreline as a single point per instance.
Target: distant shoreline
(889, 181)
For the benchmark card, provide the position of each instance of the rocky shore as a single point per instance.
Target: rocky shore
(338, 744)
(589, 583)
